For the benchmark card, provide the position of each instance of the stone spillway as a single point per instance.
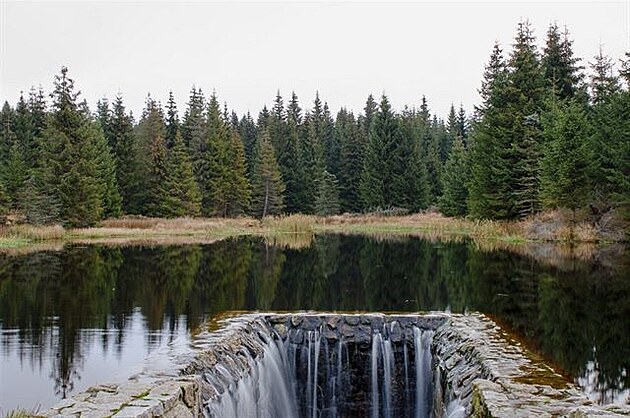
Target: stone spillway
(344, 365)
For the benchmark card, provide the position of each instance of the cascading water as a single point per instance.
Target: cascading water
(312, 374)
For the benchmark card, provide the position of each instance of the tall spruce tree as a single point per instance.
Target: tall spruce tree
(216, 192)
(239, 191)
(123, 142)
(267, 184)
(565, 166)
(111, 200)
(489, 188)
(7, 135)
(151, 155)
(380, 180)
(181, 195)
(604, 82)
(560, 68)
(311, 154)
(453, 201)
(70, 157)
(350, 160)
(247, 132)
(172, 121)
(291, 160)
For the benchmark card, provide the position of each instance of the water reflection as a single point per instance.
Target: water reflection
(87, 314)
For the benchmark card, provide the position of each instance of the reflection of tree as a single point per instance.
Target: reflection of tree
(264, 274)
(585, 318)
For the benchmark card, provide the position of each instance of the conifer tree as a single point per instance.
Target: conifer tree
(284, 139)
(565, 165)
(103, 116)
(7, 134)
(69, 158)
(216, 189)
(489, 188)
(462, 124)
(247, 132)
(604, 83)
(194, 120)
(294, 167)
(111, 200)
(625, 70)
(40, 204)
(239, 191)
(610, 148)
(172, 121)
(454, 190)
(350, 160)
(560, 68)
(151, 155)
(123, 144)
(327, 202)
(415, 184)
(5, 203)
(379, 181)
(15, 173)
(267, 184)
(181, 195)
(525, 92)
(311, 154)
(23, 128)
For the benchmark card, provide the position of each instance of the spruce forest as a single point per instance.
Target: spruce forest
(551, 131)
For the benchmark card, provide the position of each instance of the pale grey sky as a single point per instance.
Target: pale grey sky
(248, 50)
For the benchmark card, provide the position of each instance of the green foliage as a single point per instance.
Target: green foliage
(15, 173)
(122, 141)
(610, 145)
(106, 173)
(224, 168)
(351, 152)
(180, 190)
(604, 83)
(565, 164)
(5, 203)
(456, 172)
(151, 153)
(267, 184)
(489, 188)
(327, 202)
(559, 66)
(70, 160)
(172, 121)
(377, 177)
(40, 204)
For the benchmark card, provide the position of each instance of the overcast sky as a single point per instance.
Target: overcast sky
(246, 51)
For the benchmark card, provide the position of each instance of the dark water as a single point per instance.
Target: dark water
(90, 314)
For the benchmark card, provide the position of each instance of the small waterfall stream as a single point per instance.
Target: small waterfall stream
(311, 374)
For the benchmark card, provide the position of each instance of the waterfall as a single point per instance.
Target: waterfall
(422, 348)
(311, 374)
(376, 342)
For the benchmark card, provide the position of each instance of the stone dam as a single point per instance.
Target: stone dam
(344, 365)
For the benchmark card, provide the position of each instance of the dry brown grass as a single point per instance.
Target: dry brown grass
(553, 226)
(34, 233)
(290, 224)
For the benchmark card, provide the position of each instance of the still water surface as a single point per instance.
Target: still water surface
(90, 314)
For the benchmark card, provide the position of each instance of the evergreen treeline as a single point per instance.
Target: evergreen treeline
(544, 136)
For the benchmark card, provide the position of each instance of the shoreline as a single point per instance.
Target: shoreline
(544, 228)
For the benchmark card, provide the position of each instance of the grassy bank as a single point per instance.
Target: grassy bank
(548, 227)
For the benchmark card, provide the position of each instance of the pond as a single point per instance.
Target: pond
(90, 314)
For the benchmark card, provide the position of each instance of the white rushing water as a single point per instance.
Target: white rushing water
(329, 378)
